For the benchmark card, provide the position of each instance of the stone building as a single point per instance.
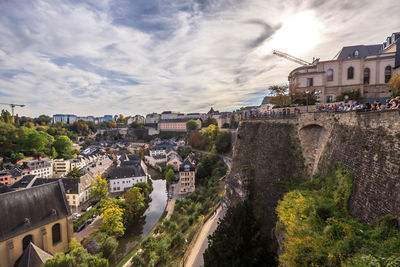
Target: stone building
(187, 175)
(42, 168)
(364, 67)
(38, 215)
(174, 125)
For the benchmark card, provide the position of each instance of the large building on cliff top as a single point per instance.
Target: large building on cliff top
(364, 67)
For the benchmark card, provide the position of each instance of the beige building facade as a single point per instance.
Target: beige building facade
(40, 215)
(364, 67)
(187, 177)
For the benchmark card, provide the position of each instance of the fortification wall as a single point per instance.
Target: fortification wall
(269, 153)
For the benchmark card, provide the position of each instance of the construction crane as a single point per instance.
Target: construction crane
(291, 58)
(12, 107)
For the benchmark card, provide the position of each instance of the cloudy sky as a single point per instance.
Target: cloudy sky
(100, 57)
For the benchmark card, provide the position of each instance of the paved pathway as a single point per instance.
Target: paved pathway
(195, 258)
(88, 229)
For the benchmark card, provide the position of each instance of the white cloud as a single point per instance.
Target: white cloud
(184, 56)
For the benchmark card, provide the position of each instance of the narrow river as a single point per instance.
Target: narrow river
(136, 232)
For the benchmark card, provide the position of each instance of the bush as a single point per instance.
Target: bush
(178, 240)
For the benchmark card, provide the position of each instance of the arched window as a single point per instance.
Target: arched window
(356, 53)
(388, 73)
(366, 75)
(56, 233)
(26, 241)
(350, 73)
(329, 74)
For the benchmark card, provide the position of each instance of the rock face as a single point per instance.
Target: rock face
(268, 154)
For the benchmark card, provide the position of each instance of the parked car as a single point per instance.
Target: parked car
(90, 220)
(80, 228)
(75, 216)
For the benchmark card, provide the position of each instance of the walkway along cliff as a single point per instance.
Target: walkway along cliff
(270, 154)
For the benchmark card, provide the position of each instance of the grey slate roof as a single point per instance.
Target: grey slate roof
(33, 256)
(186, 166)
(363, 51)
(24, 210)
(71, 185)
(127, 172)
(4, 189)
(23, 183)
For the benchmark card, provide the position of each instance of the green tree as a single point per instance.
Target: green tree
(239, 231)
(5, 116)
(170, 176)
(135, 205)
(280, 95)
(42, 120)
(99, 188)
(192, 125)
(223, 142)
(74, 173)
(109, 246)
(63, 146)
(112, 223)
(394, 84)
(76, 256)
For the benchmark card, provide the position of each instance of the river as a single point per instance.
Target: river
(137, 231)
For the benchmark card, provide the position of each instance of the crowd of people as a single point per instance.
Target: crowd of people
(377, 105)
(393, 103)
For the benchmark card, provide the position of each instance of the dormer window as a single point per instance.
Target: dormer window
(356, 53)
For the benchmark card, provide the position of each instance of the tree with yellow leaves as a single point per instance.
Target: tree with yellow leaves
(112, 222)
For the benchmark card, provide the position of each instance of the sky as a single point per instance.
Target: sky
(99, 57)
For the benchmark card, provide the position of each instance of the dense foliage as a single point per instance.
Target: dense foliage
(394, 85)
(76, 256)
(211, 137)
(353, 95)
(237, 241)
(166, 246)
(318, 230)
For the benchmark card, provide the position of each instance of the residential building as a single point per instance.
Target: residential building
(38, 215)
(76, 189)
(169, 115)
(106, 118)
(97, 167)
(187, 176)
(224, 120)
(175, 125)
(174, 160)
(194, 116)
(42, 168)
(77, 163)
(364, 67)
(160, 149)
(64, 118)
(123, 178)
(86, 118)
(61, 167)
(5, 177)
(152, 118)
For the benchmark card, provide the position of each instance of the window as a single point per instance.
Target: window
(309, 81)
(25, 242)
(329, 75)
(366, 75)
(388, 73)
(329, 99)
(56, 233)
(350, 73)
(356, 53)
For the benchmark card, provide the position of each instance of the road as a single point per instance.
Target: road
(88, 229)
(195, 258)
(227, 160)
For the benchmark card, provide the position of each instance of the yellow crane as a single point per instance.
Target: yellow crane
(12, 106)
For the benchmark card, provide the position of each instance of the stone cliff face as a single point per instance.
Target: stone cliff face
(268, 154)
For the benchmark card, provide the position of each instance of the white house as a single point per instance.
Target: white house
(123, 178)
(42, 168)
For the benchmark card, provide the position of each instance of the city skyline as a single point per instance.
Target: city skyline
(111, 57)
